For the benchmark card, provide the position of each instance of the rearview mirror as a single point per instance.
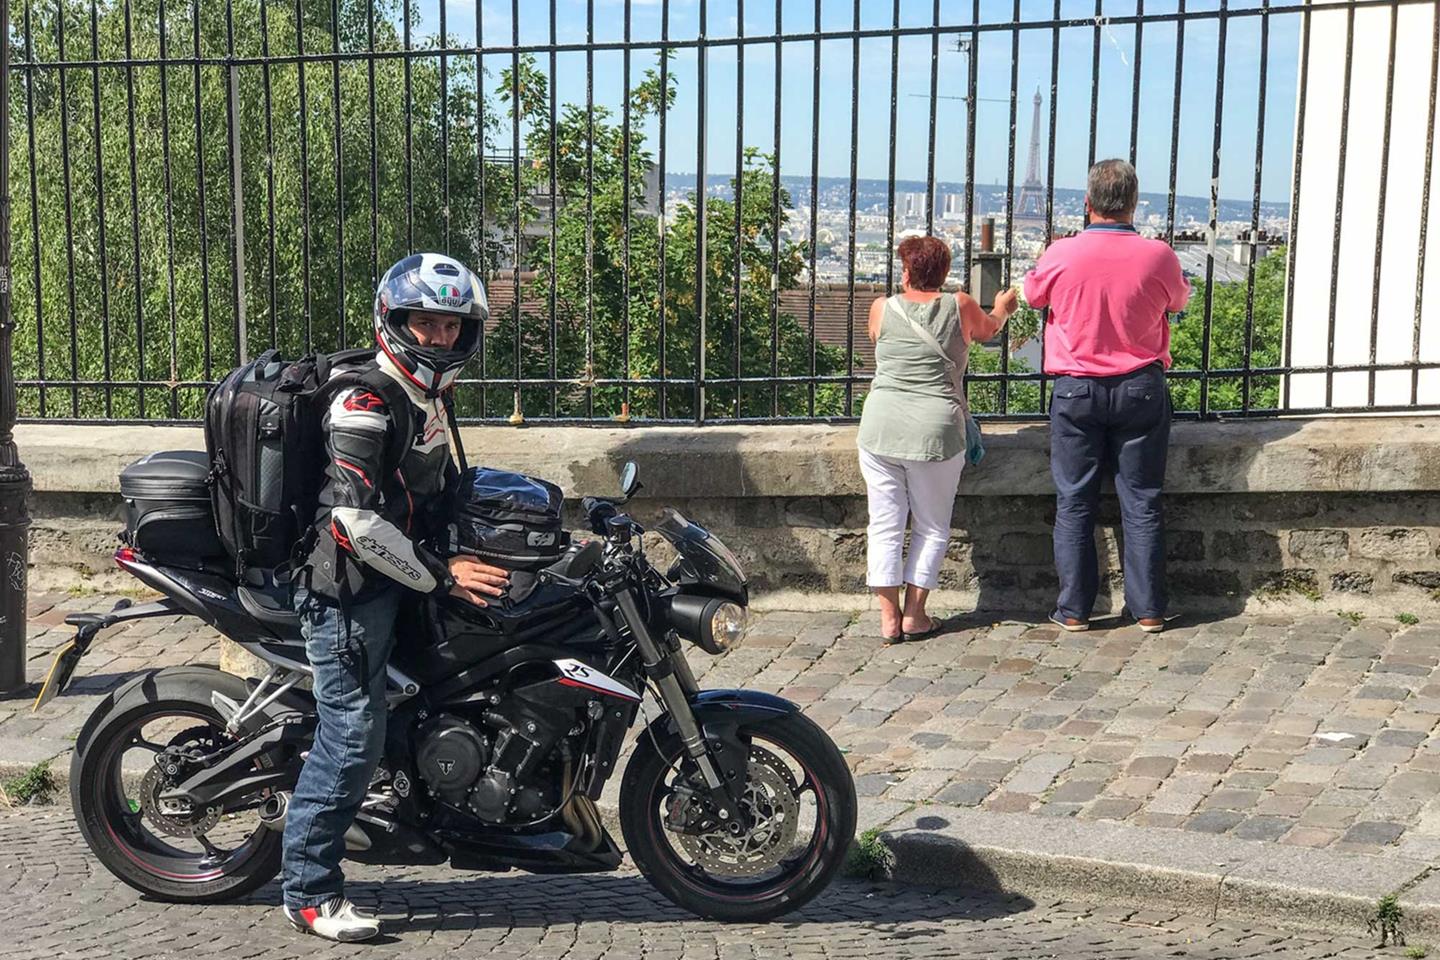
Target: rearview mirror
(629, 479)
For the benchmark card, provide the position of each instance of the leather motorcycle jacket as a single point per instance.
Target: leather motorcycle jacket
(374, 515)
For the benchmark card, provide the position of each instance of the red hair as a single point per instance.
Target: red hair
(927, 259)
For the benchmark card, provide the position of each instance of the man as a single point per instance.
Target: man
(1107, 342)
(373, 516)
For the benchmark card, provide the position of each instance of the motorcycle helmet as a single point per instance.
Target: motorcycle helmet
(436, 283)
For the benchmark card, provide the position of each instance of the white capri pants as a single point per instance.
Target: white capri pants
(925, 491)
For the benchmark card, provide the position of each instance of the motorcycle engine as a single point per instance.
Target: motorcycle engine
(502, 774)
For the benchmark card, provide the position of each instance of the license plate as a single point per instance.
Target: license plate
(61, 670)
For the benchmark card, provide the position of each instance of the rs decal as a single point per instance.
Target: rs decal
(573, 673)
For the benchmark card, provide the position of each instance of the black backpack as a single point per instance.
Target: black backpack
(267, 451)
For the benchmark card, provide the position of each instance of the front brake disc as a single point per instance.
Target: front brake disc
(772, 803)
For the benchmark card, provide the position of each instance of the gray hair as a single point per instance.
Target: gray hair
(1112, 188)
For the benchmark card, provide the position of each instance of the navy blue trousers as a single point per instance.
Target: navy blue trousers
(1118, 427)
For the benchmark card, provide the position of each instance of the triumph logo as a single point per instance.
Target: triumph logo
(445, 766)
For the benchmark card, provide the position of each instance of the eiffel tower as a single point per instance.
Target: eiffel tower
(1032, 192)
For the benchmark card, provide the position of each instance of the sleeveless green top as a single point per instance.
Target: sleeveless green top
(912, 412)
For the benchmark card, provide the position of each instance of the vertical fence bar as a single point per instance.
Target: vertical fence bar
(971, 92)
(35, 206)
(340, 287)
(137, 284)
(375, 146)
(554, 225)
(202, 221)
(1214, 221)
(890, 181)
(815, 197)
(489, 262)
(169, 208)
(850, 279)
(1295, 191)
(69, 215)
(1175, 125)
(1095, 80)
(934, 110)
(1380, 208)
(739, 193)
(409, 139)
(1050, 183)
(237, 189)
(1009, 204)
(1425, 205)
(515, 187)
(305, 173)
(1135, 83)
(1245, 398)
(775, 226)
(664, 390)
(702, 245)
(1339, 203)
(103, 258)
(589, 206)
(625, 222)
(444, 128)
(270, 171)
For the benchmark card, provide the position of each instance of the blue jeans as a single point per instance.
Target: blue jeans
(1120, 427)
(349, 674)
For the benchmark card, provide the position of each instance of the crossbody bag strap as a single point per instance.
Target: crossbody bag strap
(448, 400)
(957, 373)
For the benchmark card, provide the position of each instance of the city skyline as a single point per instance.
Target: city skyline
(993, 86)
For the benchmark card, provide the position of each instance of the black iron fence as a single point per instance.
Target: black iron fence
(194, 183)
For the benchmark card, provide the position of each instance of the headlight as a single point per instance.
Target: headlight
(712, 624)
(727, 627)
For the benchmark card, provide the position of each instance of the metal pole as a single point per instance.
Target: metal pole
(14, 478)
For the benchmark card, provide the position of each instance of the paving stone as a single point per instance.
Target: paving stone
(965, 793)
(1378, 833)
(1213, 821)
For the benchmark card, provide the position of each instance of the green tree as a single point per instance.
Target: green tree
(1228, 337)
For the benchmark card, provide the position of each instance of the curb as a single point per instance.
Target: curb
(1105, 863)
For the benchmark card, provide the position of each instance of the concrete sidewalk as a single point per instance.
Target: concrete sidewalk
(1252, 766)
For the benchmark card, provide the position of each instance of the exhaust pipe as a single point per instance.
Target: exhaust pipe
(273, 809)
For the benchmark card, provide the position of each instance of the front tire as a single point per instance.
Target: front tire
(804, 870)
(111, 818)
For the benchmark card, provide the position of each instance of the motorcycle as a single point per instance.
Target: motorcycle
(504, 725)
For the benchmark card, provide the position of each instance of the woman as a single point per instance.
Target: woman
(912, 430)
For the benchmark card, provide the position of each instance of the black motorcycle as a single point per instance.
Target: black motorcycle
(505, 722)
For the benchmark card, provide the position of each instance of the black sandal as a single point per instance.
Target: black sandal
(937, 625)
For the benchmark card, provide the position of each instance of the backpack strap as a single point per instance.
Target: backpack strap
(448, 399)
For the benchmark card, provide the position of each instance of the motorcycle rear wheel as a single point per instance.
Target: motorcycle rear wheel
(115, 825)
(718, 883)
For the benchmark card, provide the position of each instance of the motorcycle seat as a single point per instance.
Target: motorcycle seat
(270, 608)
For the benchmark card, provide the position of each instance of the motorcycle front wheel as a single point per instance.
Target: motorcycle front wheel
(800, 802)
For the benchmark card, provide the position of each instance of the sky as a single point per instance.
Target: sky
(1117, 56)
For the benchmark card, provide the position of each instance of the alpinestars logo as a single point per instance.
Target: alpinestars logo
(378, 549)
(364, 400)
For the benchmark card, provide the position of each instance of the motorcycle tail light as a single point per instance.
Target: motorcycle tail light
(126, 555)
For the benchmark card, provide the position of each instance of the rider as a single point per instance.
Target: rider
(370, 528)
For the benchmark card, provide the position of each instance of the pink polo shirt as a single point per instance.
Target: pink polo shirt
(1108, 290)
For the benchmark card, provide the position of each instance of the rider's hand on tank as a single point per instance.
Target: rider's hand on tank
(474, 579)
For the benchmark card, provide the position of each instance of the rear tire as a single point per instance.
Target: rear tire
(96, 790)
(649, 843)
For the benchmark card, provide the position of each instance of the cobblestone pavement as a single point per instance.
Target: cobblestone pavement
(1317, 731)
(59, 903)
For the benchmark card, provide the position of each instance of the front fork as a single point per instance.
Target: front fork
(668, 669)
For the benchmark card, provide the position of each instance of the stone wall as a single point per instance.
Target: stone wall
(1286, 514)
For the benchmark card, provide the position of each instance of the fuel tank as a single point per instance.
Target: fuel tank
(444, 635)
